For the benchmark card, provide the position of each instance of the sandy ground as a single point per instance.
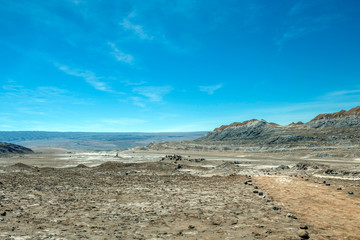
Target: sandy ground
(142, 195)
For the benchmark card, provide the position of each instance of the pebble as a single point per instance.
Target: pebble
(303, 234)
(291, 216)
(350, 192)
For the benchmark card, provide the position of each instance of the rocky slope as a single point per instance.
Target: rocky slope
(341, 119)
(8, 148)
(331, 127)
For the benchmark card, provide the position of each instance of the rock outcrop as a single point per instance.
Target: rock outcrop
(339, 119)
(248, 130)
(342, 125)
(8, 148)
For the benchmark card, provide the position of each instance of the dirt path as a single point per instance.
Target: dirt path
(329, 213)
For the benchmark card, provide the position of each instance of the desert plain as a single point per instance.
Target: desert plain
(169, 194)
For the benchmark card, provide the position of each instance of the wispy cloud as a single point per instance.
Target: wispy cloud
(30, 111)
(119, 55)
(136, 29)
(88, 76)
(153, 93)
(151, 33)
(40, 94)
(137, 101)
(132, 83)
(299, 7)
(210, 89)
(343, 93)
(305, 26)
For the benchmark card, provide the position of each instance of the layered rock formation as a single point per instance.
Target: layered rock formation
(330, 127)
(339, 119)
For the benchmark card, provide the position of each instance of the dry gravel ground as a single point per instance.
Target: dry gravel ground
(176, 199)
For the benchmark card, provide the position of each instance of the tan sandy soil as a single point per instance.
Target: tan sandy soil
(140, 196)
(130, 201)
(330, 213)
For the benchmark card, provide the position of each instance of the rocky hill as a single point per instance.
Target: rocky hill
(330, 127)
(8, 148)
(339, 119)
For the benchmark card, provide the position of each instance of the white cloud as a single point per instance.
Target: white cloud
(41, 94)
(157, 33)
(88, 76)
(138, 101)
(119, 55)
(306, 26)
(131, 83)
(31, 111)
(137, 30)
(153, 93)
(210, 89)
(343, 93)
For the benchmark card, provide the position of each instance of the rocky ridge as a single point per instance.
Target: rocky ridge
(324, 127)
(9, 148)
(325, 136)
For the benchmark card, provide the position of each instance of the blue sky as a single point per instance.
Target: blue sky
(180, 65)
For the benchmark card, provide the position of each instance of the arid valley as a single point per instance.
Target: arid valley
(137, 194)
(180, 119)
(250, 180)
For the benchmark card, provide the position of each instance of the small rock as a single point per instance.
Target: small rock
(255, 187)
(304, 227)
(303, 234)
(255, 191)
(291, 216)
(350, 192)
(3, 214)
(191, 227)
(217, 221)
(276, 208)
(261, 193)
(339, 188)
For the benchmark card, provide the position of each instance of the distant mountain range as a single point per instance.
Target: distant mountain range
(339, 127)
(91, 140)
